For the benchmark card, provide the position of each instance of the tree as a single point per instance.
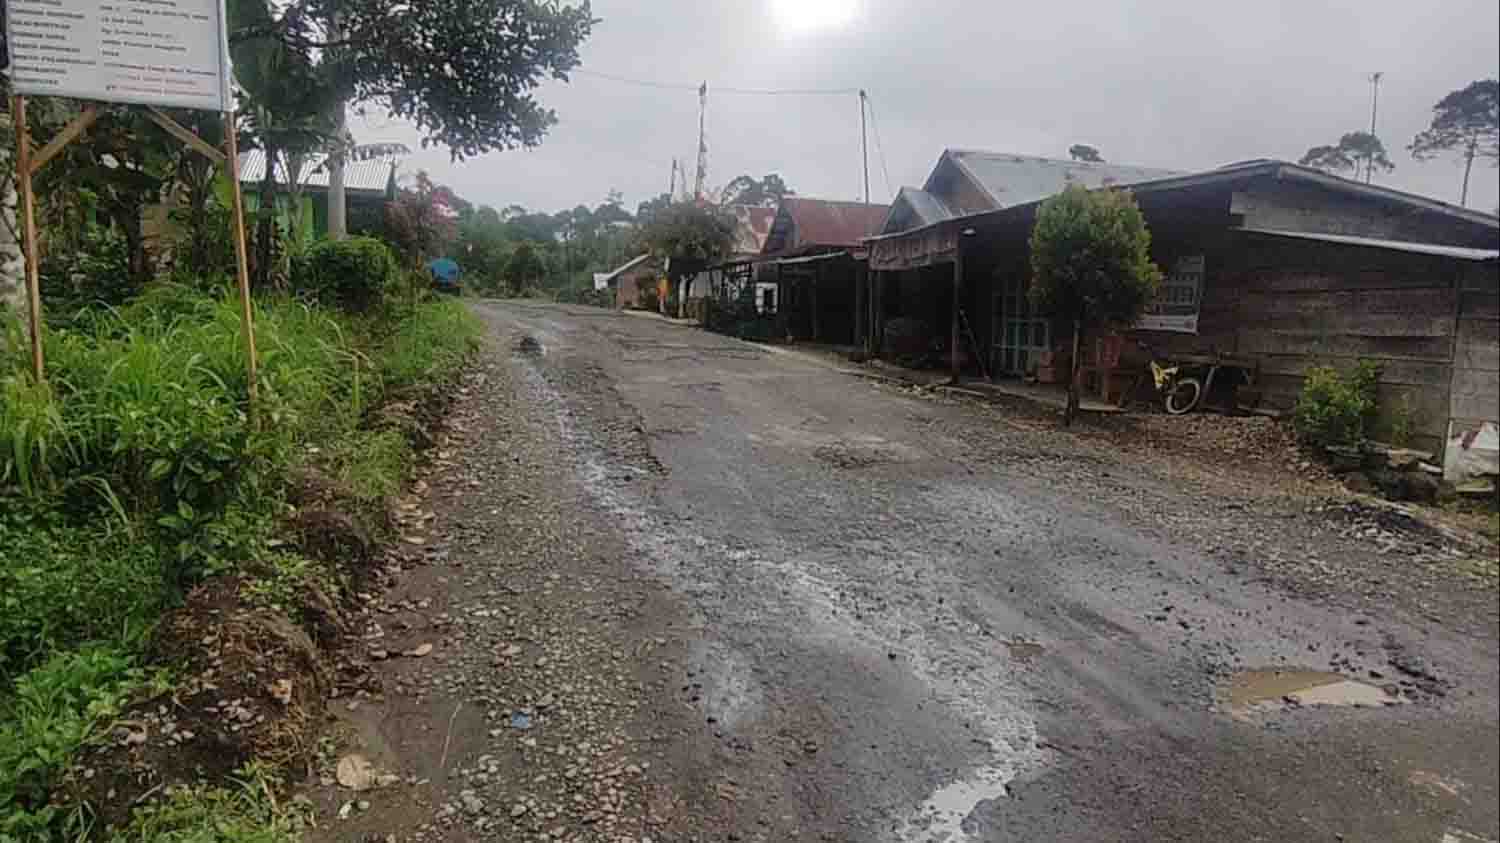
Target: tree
(463, 72)
(645, 211)
(1084, 152)
(1466, 121)
(1091, 265)
(1352, 149)
(422, 220)
(525, 267)
(688, 237)
(747, 190)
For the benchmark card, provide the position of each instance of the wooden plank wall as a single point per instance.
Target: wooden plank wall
(1303, 304)
(1475, 388)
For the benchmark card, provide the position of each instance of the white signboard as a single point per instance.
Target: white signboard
(1175, 307)
(149, 52)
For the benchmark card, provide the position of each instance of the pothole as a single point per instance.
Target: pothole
(851, 455)
(530, 346)
(1273, 689)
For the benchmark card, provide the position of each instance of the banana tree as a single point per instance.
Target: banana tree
(285, 104)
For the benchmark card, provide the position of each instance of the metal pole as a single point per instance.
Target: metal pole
(864, 144)
(1374, 103)
(241, 256)
(28, 239)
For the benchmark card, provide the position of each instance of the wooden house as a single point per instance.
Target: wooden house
(1267, 261)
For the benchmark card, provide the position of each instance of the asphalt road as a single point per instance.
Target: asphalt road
(902, 641)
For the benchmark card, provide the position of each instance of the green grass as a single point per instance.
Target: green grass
(429, 346)
(244, 811)
(137, 470)
(53, 711)
(370, 464)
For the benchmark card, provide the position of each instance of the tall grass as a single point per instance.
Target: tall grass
(137, 470)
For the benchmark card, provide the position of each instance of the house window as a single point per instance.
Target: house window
(1020, 337)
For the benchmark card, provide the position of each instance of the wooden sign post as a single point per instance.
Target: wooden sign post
(182, 46)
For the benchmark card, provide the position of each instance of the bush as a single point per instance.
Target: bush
(70, 585)
(355, 274)
(1334, 409)
(96, 273)
(54, 711)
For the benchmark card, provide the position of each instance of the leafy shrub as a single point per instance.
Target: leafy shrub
(355, 274)
(55, 710)
(63, 586)
(93, 274)
(1334, 409)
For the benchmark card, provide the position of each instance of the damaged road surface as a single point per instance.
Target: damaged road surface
(677, 587)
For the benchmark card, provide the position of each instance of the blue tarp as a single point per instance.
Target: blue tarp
(444, 270)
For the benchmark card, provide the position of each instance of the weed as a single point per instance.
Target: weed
(284, 579)
(56, 709)
(1402, 422)
(429, 345)
(370, 464)
(245, 812)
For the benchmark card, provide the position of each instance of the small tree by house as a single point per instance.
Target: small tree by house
(1091, 265)
(688, 237)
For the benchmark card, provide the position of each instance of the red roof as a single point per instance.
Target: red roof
(801, 223)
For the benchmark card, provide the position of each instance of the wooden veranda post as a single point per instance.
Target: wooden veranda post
(958, 286)
(241, 256)
(28, 235)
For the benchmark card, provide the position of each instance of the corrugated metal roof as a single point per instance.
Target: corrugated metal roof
(1458, 252)
(626, 267)
(928, 208)
(369, 176)
(820, 222)
(1017, 179)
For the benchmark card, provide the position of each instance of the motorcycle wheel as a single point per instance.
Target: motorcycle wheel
(1184, 396)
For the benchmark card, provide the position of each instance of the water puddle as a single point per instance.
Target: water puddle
(1024, 651)
(1281, 688)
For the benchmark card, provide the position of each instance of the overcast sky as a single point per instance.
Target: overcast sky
(1181, 84)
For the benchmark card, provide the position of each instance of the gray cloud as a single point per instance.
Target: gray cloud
(1171, 83)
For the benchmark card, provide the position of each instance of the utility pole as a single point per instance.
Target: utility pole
(1374, 104)
(864, 143)
(702, 143)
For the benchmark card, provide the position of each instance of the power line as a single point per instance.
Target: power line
(673, 86)
(879, 149)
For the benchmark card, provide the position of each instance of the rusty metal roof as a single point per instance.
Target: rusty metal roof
(371, 176)
(802, 223)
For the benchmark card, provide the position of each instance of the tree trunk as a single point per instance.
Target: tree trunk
(12, 263)
(1077, 368)
(265, 222)
(135, 243)
(1463, 198)
(338, 209)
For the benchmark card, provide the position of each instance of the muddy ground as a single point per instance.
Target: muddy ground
(663, 585)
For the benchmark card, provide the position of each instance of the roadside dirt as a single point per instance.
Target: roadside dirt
(516, 679)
